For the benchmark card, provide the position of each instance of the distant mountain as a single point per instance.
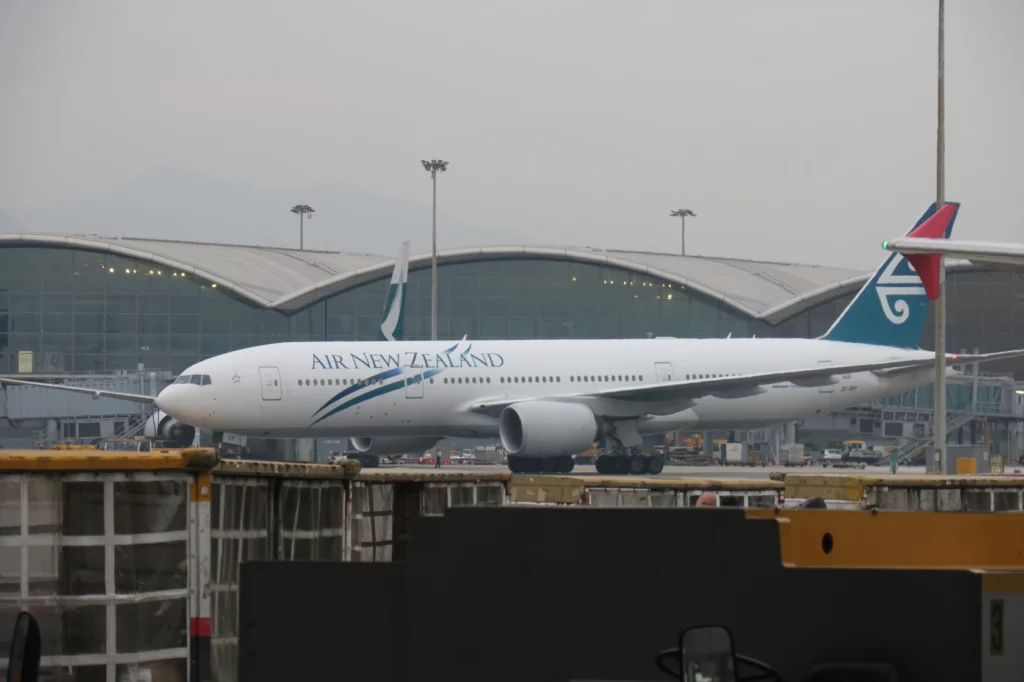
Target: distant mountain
(170, 203)
(7, 223)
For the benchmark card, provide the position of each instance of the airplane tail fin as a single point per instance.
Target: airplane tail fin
(392, 320)
(891, 308)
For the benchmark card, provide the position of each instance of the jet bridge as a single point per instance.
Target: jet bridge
(38, 403)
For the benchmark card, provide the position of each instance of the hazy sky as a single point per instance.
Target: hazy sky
(797, 130)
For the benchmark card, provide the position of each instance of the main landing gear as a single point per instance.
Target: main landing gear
(634, 464)
(541, 465)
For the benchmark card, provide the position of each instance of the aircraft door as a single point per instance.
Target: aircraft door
(270, 380)
(414, 385)
(828, 388)
(663, 371)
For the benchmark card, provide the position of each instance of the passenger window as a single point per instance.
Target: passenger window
(488, 380)
(641, 377)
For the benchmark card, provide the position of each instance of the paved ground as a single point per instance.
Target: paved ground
(680, 471)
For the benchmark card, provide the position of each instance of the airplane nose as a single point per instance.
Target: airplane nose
(167, 401)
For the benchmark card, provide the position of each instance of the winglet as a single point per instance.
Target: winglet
(928, 265)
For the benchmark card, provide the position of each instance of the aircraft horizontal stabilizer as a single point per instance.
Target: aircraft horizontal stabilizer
(95, 393)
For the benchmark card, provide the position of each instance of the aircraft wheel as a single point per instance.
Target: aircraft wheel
(654, 465)
(567, 464)
(604, 465)
(515, 464)
(636, 465)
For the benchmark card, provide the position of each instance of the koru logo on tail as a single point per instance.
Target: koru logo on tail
(898, 280)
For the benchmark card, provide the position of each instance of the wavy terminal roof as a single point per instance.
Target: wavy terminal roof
(290, 279)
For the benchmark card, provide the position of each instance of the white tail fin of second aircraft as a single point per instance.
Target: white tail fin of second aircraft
(393, 318)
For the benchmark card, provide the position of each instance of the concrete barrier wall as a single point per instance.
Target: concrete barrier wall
(642, 492)
(905, 493)
(131, 561)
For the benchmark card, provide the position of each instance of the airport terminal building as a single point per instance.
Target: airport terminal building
(88, 304)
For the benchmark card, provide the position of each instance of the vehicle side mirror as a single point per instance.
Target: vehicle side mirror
(23, 662)
(707, 653)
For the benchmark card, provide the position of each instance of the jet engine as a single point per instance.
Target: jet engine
(160, 426)
(546, 428)
(393, 445)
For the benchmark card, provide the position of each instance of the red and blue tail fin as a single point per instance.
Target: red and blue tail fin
(890, 310)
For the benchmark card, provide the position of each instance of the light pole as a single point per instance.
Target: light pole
(939, 418)
(302, 210)
(434, 166)
(682, 214)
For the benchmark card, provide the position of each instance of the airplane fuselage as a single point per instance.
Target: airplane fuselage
(425, 388)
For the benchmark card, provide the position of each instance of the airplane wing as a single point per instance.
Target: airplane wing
(980, 253)
(95, 393)
(736, 386)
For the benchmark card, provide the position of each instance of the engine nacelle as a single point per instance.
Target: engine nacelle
(160, 426)
(546, 428)
(393, 445)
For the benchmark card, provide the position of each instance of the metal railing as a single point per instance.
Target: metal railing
(912, 450)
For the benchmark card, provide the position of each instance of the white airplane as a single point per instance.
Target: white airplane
(549, 399)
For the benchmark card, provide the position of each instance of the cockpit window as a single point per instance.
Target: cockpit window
(196, 379)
